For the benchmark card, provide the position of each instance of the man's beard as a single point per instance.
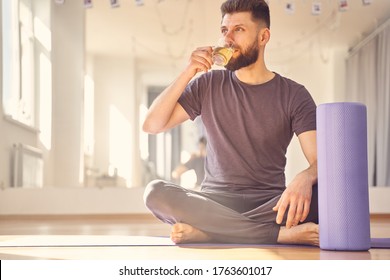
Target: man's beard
(245, 58)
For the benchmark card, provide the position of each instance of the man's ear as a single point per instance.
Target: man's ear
(264, 36)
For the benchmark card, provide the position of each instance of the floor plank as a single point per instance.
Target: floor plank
(145, 225)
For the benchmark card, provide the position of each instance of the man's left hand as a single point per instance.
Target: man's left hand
(296, 199)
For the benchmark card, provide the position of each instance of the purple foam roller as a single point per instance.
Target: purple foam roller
(343, 205)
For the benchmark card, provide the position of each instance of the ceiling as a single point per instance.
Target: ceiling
(162, 31)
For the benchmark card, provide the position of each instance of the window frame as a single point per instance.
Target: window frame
(18, 63)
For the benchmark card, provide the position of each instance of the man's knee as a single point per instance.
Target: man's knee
(154, 192)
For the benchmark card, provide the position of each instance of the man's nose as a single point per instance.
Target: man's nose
(229, 38)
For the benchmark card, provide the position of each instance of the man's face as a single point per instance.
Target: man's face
(242, 33)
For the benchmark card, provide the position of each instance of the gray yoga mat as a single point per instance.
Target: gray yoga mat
(380, 243)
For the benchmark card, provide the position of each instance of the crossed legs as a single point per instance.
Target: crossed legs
(200, 217)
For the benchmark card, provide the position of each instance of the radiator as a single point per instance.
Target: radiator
(27, 166)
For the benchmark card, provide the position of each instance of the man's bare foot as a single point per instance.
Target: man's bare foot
(307, 233)
(183, 233)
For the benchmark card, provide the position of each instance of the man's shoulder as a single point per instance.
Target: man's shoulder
(292, 87)
(288, 81)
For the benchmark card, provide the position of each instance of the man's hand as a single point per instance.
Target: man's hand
(165, 111)
(296, 198)
(200, 60)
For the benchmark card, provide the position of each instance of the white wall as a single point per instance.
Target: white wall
(71, 201)
(321, 78)
(67, 57)
(115, 127)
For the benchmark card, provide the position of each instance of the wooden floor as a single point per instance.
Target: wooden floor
(144, 225)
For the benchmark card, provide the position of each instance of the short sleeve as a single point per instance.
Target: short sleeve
(304, 112)
(192, 96)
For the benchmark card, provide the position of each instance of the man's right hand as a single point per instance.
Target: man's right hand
(200, 60)
(165, 112)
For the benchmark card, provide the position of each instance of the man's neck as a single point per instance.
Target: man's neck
(254, 74)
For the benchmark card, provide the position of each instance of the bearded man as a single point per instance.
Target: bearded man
(250, 115)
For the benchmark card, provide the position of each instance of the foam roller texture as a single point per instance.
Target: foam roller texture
(343, 202)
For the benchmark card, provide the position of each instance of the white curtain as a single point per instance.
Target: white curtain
(368, 82)
(383, 107)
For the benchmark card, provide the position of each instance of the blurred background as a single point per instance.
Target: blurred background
(78, 76)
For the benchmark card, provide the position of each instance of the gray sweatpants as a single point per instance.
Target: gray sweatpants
(238, 215)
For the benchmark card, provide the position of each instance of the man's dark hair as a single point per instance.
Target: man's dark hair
(258, 8)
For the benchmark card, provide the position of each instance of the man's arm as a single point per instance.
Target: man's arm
(165, 112)
(297, 196)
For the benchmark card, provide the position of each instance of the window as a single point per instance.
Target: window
(18, 61)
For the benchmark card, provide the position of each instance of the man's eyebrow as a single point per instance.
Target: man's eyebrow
(237, 25)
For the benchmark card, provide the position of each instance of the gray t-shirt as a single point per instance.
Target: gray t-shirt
(248, 127)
